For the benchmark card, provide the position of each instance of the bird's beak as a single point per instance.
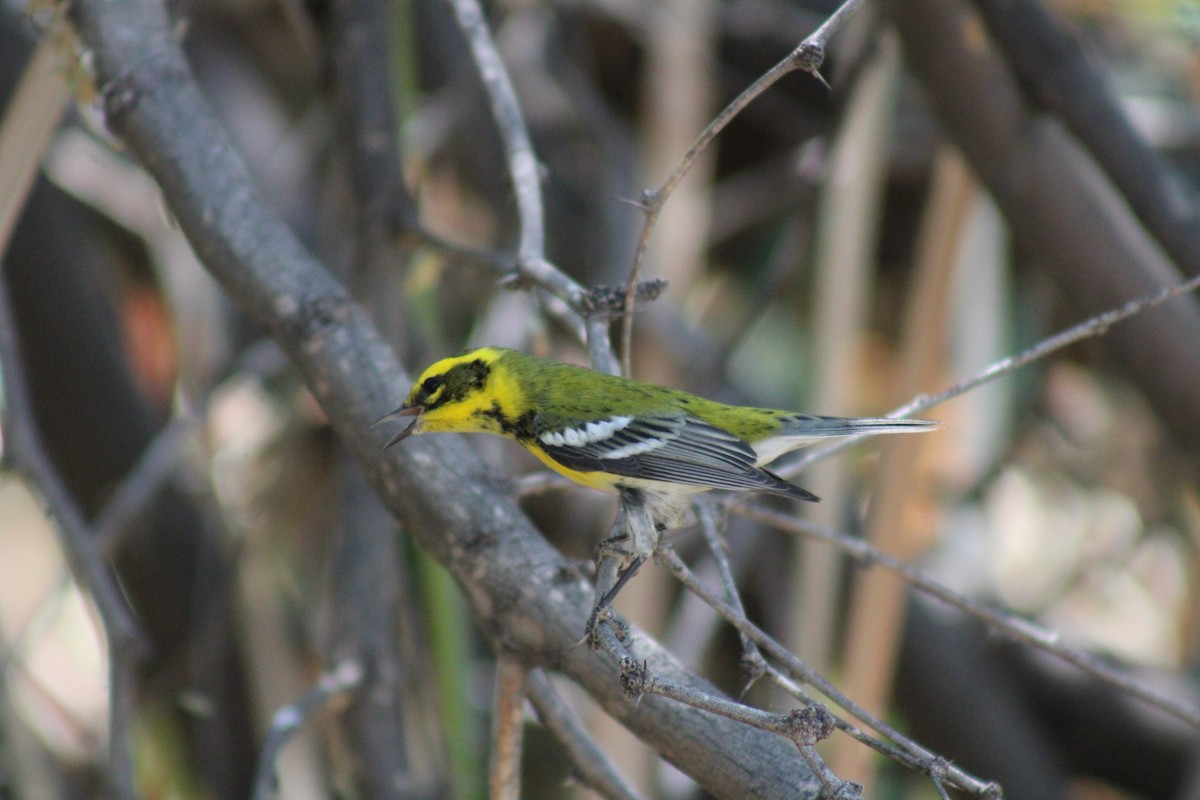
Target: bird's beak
(402, 411)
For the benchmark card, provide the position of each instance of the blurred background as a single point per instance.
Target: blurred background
(831, 252)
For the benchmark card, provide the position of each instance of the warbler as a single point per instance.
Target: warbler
(651, 445)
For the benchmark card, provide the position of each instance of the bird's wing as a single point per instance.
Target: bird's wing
(665, 448)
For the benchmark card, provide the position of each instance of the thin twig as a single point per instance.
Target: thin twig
(934, 767)
(801, 671)
(1093, 326)
(752, 662)
(1020, 629)
(807, 56)
(344, 676)
(589, 762)
(518, 147)
(523, 169)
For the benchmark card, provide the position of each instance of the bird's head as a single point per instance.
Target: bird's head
(462, 393)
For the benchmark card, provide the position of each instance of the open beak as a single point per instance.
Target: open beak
(402, 411)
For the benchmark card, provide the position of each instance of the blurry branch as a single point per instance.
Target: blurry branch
(917, 756)
(808, 56)
(126, 646)
(358, 46)
(29, 122)
(370, 609)
(45, 612)
(1058, 77)
(590, 764)
(369, 600)
(385, 213)
(1009, 624)
(678, 94)
(1059, 204)
(529, 600)
(847, 228)
(508, 729)
(1093, 326)
(898, 519)
(532, 484)
(137, 491)
(30, 118)
(343, 677)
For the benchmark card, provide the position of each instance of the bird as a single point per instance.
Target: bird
(653, 446)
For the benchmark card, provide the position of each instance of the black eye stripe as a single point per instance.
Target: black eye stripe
(432, 383)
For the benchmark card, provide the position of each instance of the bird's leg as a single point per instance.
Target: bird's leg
(634, 526)
(609, 580)
(622, 579)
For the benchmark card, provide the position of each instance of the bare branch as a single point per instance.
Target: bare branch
(1093, 326)
(934, 767)
(1020, 629)
(802, 672)
(807, 56)
(524, 170)
(752, 663)
(522, 162)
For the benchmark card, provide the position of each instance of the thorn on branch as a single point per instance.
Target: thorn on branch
(811, 724)
(809, 56)
(634, 678)
(119, 96)
(650, 200)
(514, 281)
(606, 299)
(752, 667)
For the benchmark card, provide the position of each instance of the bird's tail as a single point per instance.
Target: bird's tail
(801, 429)
(807, 425)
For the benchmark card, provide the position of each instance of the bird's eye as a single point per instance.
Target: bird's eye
(430, 385)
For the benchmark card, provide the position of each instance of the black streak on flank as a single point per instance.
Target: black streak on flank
(520, 428)
(523, 427)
